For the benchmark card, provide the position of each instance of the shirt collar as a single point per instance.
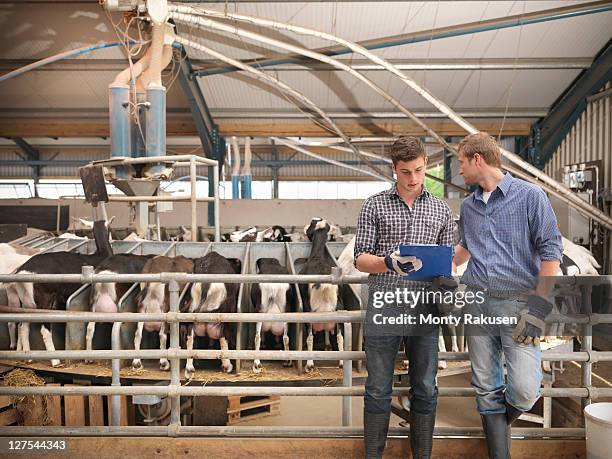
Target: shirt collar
(424, 193)
(503, 185)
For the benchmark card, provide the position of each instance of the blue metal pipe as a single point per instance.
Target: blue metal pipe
(58, 57)
(156, 124)
(138, 131)
(119, 117)
(427, 35)
(246, 186)
(235, 187)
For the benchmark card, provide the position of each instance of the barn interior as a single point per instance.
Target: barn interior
(228, 126)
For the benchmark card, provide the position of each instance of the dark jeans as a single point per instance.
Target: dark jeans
(422, 353)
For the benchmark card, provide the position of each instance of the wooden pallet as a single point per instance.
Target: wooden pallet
(246, 408)
(8, 414)
(84, 410)
(70, 410)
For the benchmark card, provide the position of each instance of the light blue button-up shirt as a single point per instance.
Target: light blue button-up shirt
(509, 236)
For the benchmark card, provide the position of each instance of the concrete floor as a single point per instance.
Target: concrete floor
(451, 412)
(327, 411)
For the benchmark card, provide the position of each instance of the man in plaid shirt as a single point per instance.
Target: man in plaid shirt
(405, 214)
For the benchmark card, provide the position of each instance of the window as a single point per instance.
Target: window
(329, 189)
(433, 186)
(260, 189)
(16, 189)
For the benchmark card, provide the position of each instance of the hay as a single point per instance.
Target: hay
(130, 371)
(33, 408)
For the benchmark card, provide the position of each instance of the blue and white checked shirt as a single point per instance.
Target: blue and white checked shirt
(509, 236)
(385, 221)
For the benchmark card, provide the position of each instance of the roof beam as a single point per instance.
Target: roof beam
(552, 129)
(530, 63)
(183, 126)
(432, 34)
(282, 114)
(197, 105)
(377, 114)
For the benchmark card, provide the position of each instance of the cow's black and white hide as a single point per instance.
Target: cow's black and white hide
(275, 233)
(183, 234)
(154, 298)
(11, 258)
(577, 261)
(319, 297)
(212, 297)
(52, 295)
(333, 235)
(247, 235)
(275, 298)
(106, 295)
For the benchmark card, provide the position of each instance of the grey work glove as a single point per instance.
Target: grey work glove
(531, 321)
(402, 265)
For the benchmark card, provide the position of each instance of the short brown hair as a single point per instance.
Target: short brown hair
(406, 148)
(483, 144)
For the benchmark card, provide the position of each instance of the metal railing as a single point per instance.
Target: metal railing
(174, 354)
(177, 160)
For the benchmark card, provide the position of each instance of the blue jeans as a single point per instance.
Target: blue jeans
(489, 346)
(422, 353)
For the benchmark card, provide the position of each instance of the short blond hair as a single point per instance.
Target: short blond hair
(483, 144)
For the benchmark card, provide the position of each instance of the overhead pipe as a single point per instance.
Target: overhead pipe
(434, 64)
(201, 22)
(161, 55)
(559, 189)
(388, 160)
(290, 144)
(280, 85)
(246, 170)
(58, 57)
(235, 168)
(440, 33)
(189, 15)
(126, 136)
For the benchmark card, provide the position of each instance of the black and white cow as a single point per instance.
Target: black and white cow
(106, 295)
(53, 295)
(212, 297)
(319, 297)
(275, 298)
(154, 298)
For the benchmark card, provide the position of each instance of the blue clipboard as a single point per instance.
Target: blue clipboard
(437, 260)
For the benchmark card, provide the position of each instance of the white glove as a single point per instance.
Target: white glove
(403, 265)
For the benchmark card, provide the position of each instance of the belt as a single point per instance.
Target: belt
(501, 294)
(506, 294)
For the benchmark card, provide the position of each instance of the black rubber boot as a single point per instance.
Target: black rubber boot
(421, 434)
(375, 428)
(497, 431)
(512, 413)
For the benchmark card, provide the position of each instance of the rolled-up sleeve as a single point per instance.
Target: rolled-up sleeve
(545, 235)
(365, 239)
(447, 234)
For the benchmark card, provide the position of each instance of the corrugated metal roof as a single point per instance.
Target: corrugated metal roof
(14, 171)
(35, 32)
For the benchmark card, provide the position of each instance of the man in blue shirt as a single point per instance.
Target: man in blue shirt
(510, 237)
